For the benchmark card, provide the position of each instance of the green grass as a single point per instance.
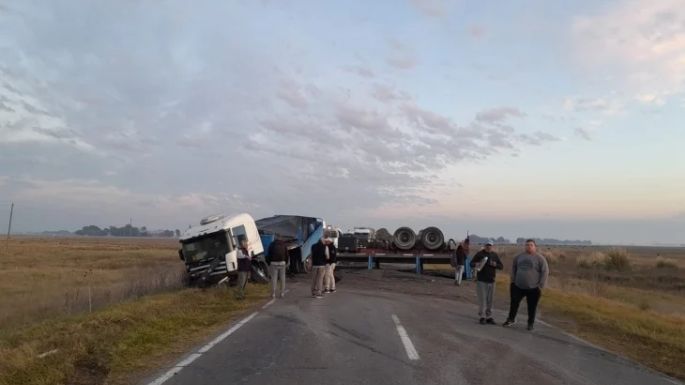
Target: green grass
(114, 344)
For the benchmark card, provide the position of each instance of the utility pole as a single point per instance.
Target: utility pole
(9, 226)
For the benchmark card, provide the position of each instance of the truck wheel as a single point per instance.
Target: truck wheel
(260, 272)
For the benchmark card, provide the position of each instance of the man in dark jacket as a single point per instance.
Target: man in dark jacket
(486, 263)
(320, 254)
(278, 256)
(329, 277)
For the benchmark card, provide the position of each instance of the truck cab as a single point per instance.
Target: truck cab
(209, 250)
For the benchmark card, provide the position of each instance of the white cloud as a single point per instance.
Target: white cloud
(499, 114)
(156, 208)
(639, 45)
(608, 106)
(384, 93)
(650, 99)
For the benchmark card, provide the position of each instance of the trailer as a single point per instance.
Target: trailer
(374, 257)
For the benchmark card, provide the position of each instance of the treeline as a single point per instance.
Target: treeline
(125, 231)
(552, 241)
(478, 240)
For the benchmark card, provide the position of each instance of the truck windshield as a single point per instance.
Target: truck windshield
(206, 247)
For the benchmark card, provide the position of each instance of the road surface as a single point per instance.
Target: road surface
(362, 335)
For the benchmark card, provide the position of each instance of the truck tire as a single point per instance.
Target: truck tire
(260, 272)
(404, 238)
(432, 238)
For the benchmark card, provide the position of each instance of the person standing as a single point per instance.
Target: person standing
(329, 277)
(278, 255)
(487, 262)
(244, 267)
(528, 277)
(460, 261)
(320, 254)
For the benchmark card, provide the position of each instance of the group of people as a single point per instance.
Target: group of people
(529, 274)
(277, 259)
(323, 257)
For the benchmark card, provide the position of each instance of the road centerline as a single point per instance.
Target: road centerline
(406, 341)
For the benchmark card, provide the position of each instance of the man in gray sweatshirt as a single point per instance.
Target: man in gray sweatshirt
(528, 276)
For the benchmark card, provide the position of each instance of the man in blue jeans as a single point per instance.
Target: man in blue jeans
(528, 277)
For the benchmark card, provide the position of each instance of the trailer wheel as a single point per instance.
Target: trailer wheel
(260, 272)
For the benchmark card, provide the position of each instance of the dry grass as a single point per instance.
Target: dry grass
(115, 344)
(665, 263)
(592, 260)
(650, 337)
(46, 277)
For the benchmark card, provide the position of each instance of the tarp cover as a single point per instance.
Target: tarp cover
(288, 226)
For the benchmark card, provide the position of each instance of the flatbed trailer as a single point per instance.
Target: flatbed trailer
(374, 257)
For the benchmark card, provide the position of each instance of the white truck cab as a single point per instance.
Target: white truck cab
(210, 248)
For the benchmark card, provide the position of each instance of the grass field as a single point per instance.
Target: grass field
(44, 277)
(141, 316)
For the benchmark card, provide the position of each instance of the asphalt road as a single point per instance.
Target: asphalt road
(351, 337)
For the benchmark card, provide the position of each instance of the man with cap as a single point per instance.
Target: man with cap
(486, 263)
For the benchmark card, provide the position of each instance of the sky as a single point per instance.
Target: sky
(523, 119)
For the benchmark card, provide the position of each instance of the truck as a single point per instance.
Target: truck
(209, 250)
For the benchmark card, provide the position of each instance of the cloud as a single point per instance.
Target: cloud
(152, 208)
(650, 99)
(384, 93)
(639, 45)
(608, 106)
(499, 114)
(583, 133)
(293, 94)
(427, 119)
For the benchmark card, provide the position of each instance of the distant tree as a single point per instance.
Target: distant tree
(178, 233)
(91, 230)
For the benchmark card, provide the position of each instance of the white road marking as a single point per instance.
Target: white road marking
(227, 333)
(269, 303)
(194, 356)
(189, 359)
(406, 341)
(161, 379)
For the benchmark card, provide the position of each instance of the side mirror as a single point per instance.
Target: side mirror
(180, 255)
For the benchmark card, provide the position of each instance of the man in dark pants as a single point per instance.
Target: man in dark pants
(320, 254)
(486, 262)
(528, 276)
